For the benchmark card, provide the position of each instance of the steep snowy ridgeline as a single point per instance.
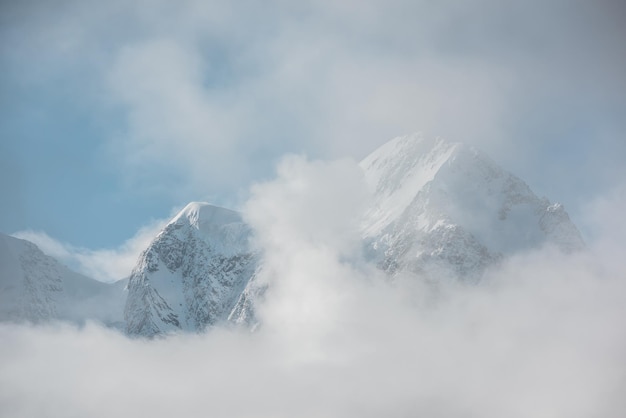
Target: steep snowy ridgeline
(192, 275)
(244, 311)
(440, 209)
(35, 287)
(444, 208)
(396, 172)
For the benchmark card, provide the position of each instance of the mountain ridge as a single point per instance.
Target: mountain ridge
(35, 287)
(468, 214)
(439, 209)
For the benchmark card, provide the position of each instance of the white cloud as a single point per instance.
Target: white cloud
(172, 120)
(214, 91)
(542, 336)
(211, 101)
(106, 265)
(307, 224)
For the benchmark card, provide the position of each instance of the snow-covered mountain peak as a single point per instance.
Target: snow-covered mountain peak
(440, 205)
(36, 287)
(192, 274)
(397, 170)
(202, 214)
(406, 159)
(222, 229)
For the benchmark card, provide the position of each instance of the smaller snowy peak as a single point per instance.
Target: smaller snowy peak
(199, 214)
(192, 274)
(222, 229)
(37, 288)
(30, 282)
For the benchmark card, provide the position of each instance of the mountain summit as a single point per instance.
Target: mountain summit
(192, 274)
(440, 209)
(446, 207)
(37, 288)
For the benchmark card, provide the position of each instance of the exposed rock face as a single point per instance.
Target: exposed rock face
(192, 275)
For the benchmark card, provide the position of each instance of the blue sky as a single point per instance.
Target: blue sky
(114, 115)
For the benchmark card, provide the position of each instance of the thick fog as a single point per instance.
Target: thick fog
(542, 335)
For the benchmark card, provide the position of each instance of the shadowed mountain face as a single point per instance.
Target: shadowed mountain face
(36, 288)
(192, 275)
(439, 209)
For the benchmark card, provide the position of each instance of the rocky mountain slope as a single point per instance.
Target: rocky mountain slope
(36, 288)
(192, 275)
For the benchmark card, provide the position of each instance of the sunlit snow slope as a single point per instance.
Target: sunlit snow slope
(443, 207)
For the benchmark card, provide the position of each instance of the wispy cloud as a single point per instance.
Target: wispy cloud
(211, 93)
(106, 265)
(210, 102)
(543, 335)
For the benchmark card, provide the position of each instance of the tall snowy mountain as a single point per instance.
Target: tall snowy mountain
(194, 273)
(445, 208)
(36, 288)
(439, 209)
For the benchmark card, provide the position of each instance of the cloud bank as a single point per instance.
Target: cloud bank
(207, 95)
(542, 335)
(106, 265)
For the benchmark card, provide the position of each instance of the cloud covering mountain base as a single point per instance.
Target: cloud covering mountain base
(541, 335)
